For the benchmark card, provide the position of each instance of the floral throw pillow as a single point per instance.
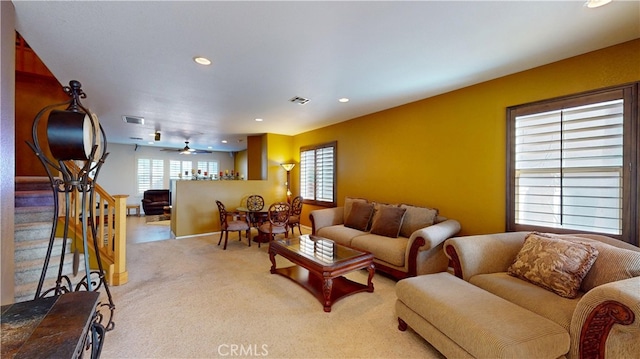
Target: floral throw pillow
(553, 263)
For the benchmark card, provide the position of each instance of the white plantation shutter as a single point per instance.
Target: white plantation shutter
(174, 169)
(211, 167)
(569, 168)
(150, 174)
(307, 174)
(317, 173)
(325, 174)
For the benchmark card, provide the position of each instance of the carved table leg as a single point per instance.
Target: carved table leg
(272, 257)
(328, 286)
(372, 271)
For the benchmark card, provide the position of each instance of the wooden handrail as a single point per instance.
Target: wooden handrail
(110, 219)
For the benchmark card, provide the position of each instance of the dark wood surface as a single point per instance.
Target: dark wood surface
(52, 327)
(324, 279)
(257, 217)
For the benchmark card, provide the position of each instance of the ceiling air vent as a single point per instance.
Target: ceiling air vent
(136, 138)
(299, 100)
(134, 120)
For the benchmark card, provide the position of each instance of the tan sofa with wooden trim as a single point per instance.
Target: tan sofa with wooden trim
(490, 310)
(407, 246)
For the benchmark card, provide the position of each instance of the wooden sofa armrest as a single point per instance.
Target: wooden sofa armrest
(326, 217)
(485, 253)
(426, 239)
(615, 304)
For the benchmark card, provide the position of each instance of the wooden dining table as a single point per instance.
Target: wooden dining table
(256, 218)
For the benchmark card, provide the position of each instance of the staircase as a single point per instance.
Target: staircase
(33, 223)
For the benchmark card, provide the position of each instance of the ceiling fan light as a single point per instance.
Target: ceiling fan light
(592, 4)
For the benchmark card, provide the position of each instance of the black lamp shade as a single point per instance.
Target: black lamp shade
(70, 135)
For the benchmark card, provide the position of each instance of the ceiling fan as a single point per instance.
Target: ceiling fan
(186, 150)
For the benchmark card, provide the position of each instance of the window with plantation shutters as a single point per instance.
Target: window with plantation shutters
(209, 167)
(150, 174)
(317, 174)
(180, 169)
(572, 165)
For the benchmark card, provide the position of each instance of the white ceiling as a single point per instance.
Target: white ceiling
(135, 58)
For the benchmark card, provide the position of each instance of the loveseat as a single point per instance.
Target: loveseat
(154, 201)
(405, 240)
(528, 295)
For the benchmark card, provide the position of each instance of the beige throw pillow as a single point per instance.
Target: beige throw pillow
(387, 221)
(416, 218)
(553, 263)
(359, 216)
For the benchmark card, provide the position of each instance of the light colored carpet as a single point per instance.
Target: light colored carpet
(187, 298)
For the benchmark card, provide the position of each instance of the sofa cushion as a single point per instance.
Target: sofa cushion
(613, 263)
(348, 204)
(339, 234)
(390, 250)
(359, 216)
(387, 220)
(529, 296)
(553, 263)
(416, 218)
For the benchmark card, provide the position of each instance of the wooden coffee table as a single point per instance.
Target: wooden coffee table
(322, 275)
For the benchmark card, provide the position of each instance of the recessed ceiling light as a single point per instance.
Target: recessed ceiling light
(151, 142)
(224, 141)
(202, 60)
(343, 100)
(259, 120)
(596, 3)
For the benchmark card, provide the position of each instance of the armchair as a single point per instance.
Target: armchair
(154, 201)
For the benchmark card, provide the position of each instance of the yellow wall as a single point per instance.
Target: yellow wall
(449, 151)
(194, 209)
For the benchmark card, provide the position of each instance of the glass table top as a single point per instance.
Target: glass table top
(319, 248)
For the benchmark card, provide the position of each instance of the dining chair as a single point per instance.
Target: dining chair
(296, 211)
(233, 225)
(255, 203)
(278, 221)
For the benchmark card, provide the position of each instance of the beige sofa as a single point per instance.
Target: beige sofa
(493, 312)
(405, 240)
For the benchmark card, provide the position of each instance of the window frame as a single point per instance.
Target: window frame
(314, 201)
(152, 173)
(631, 154)
(181, 174)
(206, 166)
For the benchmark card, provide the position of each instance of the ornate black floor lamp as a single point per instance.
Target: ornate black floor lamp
(74, 134)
